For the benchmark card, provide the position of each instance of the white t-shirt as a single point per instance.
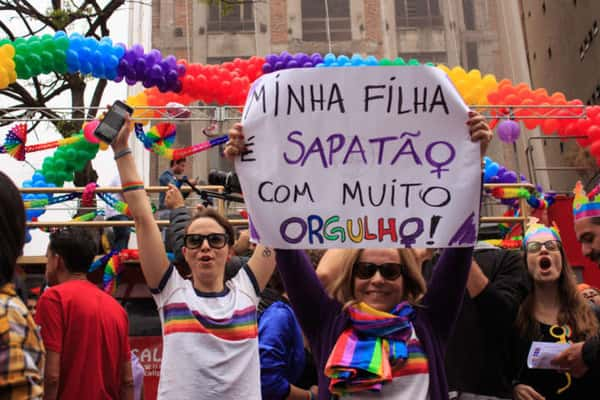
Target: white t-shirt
(210, 340)
(410, 381)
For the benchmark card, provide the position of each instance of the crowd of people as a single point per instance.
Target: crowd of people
(240, 321)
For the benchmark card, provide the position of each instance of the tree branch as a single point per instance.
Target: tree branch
(98, 91)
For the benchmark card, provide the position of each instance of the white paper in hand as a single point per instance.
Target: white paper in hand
(541, 353)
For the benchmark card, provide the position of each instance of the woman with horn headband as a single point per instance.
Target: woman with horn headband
(553, 312)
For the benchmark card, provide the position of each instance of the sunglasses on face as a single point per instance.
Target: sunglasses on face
(215, 240)
(550, 245)
(388, 271)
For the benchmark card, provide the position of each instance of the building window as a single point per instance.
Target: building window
(469, 15)
(472, 56)
(436, 57)
(237, 18)
(418, 13)
(314, 25)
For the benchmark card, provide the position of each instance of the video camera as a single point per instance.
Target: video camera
(229, 180)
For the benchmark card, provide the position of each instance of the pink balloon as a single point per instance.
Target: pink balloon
(88, 131)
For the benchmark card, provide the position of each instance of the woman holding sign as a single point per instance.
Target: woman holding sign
(553, 312)
(209, 325)
(383, 336)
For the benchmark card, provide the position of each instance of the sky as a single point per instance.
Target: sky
(103, 163)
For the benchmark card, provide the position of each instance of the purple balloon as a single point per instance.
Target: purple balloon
(171, 61)
(148, 83)
(171, 77)
(130, 81)
(130, 75)
(508, 131)
(316, 58)
(177, 87)
(180, 69)
(494, 179)
(156, 55)
(156, 71)
(307, 64)
(292, 64)
(138, 50)
(509, 177)
(140, 67)
(267, 68)
(272, 59)
(501, 171)
(123, 67)
(278, 65)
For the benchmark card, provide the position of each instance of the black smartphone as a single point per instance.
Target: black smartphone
(112, 122)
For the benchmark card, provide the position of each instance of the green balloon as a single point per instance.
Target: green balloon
(65, 176)
(35, 47)
(399, 61)
(385, 61)
(413, 61)
(60, 61)
(59, 164)
(47, 61)
(20, 41)
(50, 176)
(62, 43)
(34, 62)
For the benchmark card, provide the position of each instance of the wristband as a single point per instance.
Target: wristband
(122, 153)
(130, 186)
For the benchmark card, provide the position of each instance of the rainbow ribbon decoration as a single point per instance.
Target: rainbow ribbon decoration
(14, 143)
(160, 138)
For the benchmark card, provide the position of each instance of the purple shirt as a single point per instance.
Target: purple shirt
(322, 319)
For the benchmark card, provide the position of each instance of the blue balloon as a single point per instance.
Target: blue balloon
(343, 59)
(85, 54)
(59, 34)
(90, 42)
(119, 50)
(329, 59)
(86, 67)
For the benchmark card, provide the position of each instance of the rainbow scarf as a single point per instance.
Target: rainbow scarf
(364, 354)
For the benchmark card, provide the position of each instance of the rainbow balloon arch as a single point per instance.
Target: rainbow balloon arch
(168, 80)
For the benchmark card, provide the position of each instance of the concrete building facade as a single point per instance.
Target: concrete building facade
(483, 34)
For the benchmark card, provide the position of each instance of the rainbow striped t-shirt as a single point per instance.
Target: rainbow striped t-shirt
(210, 340)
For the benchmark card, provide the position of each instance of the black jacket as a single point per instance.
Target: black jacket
(477, 355)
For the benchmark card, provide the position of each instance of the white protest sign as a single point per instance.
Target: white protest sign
(359, 157)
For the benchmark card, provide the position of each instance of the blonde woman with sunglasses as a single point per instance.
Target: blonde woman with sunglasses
(209, 325)
(553, 312)
(383, 335)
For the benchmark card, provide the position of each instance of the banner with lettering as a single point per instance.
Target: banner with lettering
(359, 157)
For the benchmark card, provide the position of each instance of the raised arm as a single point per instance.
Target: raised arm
(446, 288)
(153, 257)
(310, 302)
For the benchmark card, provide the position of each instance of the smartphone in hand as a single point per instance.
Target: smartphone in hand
(112, 122)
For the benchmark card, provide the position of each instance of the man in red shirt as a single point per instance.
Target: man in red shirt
(85, 330)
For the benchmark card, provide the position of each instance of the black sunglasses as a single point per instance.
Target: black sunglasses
(550, 245)
(389, 271)
(215, 240)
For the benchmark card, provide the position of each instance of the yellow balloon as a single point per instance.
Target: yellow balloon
(8, 50)
(474, 74)
(444, 68)
(457, 73)
(103, 145)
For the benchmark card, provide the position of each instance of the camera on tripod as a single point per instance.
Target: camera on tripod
(229, 180)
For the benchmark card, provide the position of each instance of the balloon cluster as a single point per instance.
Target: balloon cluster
(8, 73)
(520, 96)
(66, 160)
(90, 56)
(151, 69)
(36, 181)
(285, 60)
(496, 173)
(223, 84)
(472, 86)
(35, 55)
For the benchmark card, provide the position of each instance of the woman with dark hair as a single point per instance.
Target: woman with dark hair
(382, 336)
(553, 312)
(209, 324)
(21, 348)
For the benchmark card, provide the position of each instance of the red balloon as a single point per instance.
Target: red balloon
(593, 133)
(549, 126)
(594, 149)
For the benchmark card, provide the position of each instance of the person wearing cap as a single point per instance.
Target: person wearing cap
(589, 293)
(582, 356)
(552, 312)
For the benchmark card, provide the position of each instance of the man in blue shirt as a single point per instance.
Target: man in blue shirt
(177, 167)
